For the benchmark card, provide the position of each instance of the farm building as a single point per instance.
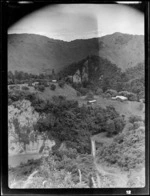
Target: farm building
(120, 98)
(54, 81)
(90, 102)
(35, 83)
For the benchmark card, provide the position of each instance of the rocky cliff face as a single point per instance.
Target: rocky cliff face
(22, 138)
(81, 74)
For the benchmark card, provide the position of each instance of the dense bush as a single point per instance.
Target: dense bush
(78, 94)
(112, 92)
(126, 151)
(119, 124)
(30, 83)
(124, 93)
(25, 88)
(41, 88)
(20, 95)
(110, 127)
(14, 87)
(135, 118)
(61, 169)
(99, 91)
(61, 83)
(132, 97)
(89, 95)
(53, 87)
(68, 122)
(46, 84)
(10, 81)
(83, 91)
(107, 95)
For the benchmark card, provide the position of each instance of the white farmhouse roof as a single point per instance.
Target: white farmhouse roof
(34, 83)
(92, 101)
(120, 97)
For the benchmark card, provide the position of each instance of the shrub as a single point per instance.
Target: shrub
(141, 106)
(135, 118)
(63, 98)
(119, 124)
(9, 101)
(110, 127)
(83, 91)
(46, 84)
(25, 88)
(138, 124)
(78, 94)
(132, 97)
(12, 87)
(107, 95)
(30, 83)
(10, 81)
(61, 83)
(99, 91)
(141, 95)
(53, 87)
(124, 150)
(112, 92)
(41, 88)
(89, 95)
(129, 95)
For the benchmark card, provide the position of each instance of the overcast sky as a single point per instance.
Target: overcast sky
(80, 21)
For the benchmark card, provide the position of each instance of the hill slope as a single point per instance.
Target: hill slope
(36, 54)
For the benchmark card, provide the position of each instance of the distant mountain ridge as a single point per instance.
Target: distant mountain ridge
(37, 54)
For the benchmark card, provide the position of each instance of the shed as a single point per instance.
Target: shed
(91, 101)
(121, 98)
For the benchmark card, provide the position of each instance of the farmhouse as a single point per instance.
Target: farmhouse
(90, 102)
(120, 98)
(54, 81)
(35, 83)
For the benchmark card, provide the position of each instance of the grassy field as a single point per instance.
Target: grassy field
(126, 108)
(66, 91)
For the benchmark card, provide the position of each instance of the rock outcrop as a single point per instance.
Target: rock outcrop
(22, 138)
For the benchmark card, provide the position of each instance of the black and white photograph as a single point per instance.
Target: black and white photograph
(76, 96)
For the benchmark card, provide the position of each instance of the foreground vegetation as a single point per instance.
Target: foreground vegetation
(71, 124)
(70, 164)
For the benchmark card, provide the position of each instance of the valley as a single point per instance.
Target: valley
(76, 112)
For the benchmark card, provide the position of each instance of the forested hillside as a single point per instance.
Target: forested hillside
(37, 54)
(67, 100)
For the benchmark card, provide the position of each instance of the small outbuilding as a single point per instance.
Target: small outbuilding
(90, 102)
(54, 81)
(35, 83)
(120, 98)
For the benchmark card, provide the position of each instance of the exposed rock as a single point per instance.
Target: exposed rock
(77, 77)
(22, 138)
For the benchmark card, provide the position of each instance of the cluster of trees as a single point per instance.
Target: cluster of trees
(128, 147)
(133, 80)
(61, 169)
(104, 75)
(19, 77)
(66, 122)
(17, 95)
